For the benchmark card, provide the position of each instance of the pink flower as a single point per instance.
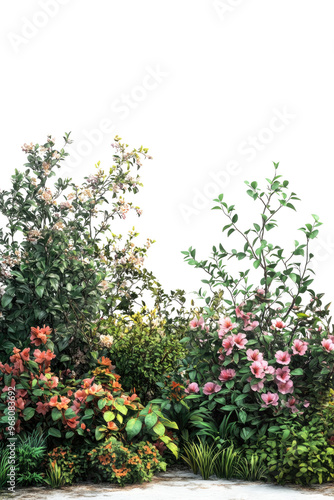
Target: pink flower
(255, 355)
(329, 336)
(256, 387)
(251, 326)
(226, 326)
(228, 344)
(291, 404)
(260, 291)
(226, 375)
(306, 403)
(192, 388)
(269, 399)
(285, 387)
(240, 340)
(283, 374)
(283, 358)
(211, 388)
(244, 316)
(197, 323)
(299, 347)
(328, 345)
(257, 369)
(277, 323)
(42, 408)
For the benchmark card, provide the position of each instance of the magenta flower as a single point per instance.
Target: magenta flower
(283, 374)
(299, 347)
(257, 369)
(283, 358)
(228, 344)
(226, 375)
(328, 345)
(285, 387)
(269, 399)
(255, 355)
(240, 340)
(192, 388)
(211, 388)
(277, 323)
(197, 323)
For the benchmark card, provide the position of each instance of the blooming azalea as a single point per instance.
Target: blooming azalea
(226, 326)
(291, 404)
(277, 323)
(255, 355)
(285, 387)
(269, 399)
(228, 344)
(328, 345)
(283, 374)
(283, 358)
(299, 347)
(211, 388)
(226, 375)
(192, 388)
(240, 340)
(251, 326)
(256, 387)
(257, 369)
(197, 323)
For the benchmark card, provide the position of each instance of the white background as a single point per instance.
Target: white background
(195, 81)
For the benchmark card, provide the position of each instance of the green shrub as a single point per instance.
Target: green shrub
(144, 347)
(296, 453)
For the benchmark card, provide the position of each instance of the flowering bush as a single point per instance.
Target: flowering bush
(114, 462)
(56, 268)
(90, 409)
(144, 347)
(272, 352)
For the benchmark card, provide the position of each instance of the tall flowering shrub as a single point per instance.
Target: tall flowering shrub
(269, 350)
(60, 263)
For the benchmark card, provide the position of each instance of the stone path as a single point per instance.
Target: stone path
(179, 485)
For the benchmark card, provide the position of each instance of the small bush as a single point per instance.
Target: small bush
(144, 347)
(116, 463)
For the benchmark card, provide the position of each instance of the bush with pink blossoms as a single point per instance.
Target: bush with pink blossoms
(263, 336)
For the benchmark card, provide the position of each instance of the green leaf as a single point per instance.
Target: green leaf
(297, 371)
(159, 429)
(69, 434)
(257, 263)
(54, 432)
(69, 413)
(108, 416)
(56, 414)
(133, 427)
(40, 291)
(6, 300)
(28, 413)
(150, 420)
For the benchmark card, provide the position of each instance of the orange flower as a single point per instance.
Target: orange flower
(72, 422)
(94, 389)
(116, 386)
(83, 426)
(40, 335)
(104, 361)
(112, 426)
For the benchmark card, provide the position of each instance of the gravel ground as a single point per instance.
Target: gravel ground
(179, 485)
